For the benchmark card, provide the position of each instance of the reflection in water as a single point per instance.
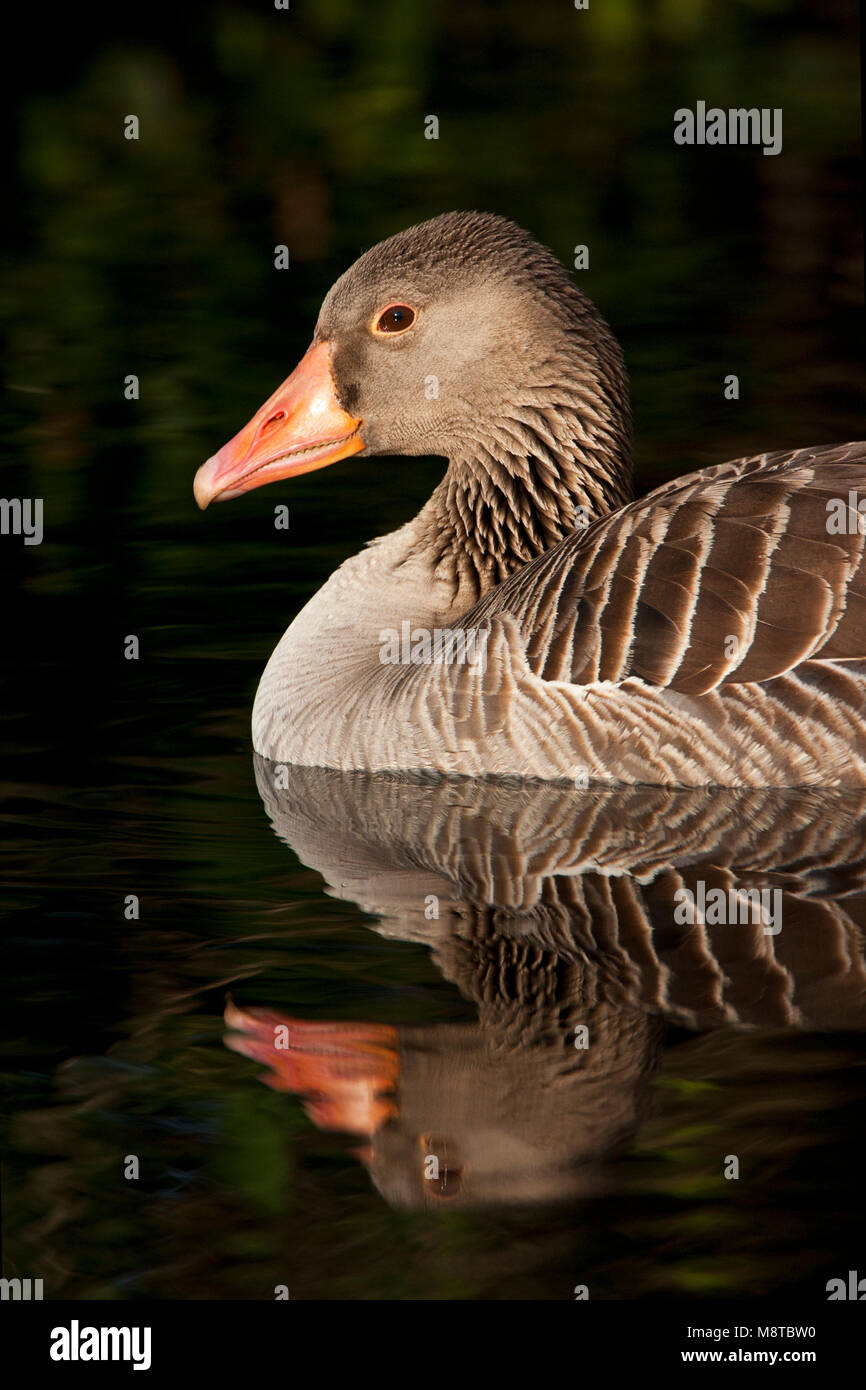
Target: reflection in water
(563, 915)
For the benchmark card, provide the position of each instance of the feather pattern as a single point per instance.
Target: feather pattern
(553, 915)
(728, 576)
(533, 881)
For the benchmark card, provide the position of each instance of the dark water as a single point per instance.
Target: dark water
(449, 1037)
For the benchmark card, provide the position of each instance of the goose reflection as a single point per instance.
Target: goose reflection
(587, 927)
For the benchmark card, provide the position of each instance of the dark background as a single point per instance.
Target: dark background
(156, 258)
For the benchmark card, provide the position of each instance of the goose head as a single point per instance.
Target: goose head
(461, 337)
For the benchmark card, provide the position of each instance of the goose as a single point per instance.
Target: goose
(535, 619)
(551, 915)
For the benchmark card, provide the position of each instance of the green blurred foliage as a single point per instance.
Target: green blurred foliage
(307, 127)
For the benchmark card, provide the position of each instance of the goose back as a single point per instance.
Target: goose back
(729, 575)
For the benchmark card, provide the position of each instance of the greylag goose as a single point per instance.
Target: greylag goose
(552, 915)
(533, 620)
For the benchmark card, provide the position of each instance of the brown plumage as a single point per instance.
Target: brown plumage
(551, 913)
(742, 549)
(712, 632)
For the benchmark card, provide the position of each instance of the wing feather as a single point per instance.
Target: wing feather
(728, 575)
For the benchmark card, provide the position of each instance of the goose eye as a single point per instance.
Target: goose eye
(395, 319)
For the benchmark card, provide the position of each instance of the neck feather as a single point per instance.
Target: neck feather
(516, 489)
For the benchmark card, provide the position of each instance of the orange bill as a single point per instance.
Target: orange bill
(346, 1073)
(301, 427)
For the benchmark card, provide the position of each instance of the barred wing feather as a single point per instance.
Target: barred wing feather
(734, 574)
